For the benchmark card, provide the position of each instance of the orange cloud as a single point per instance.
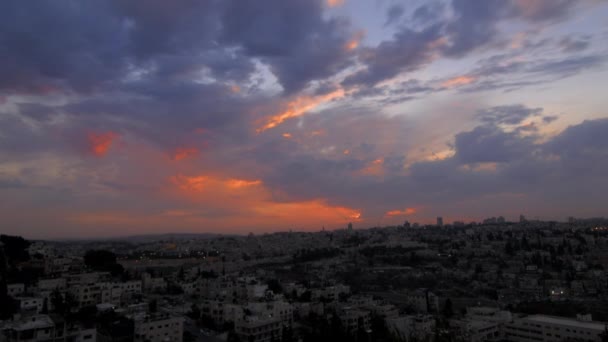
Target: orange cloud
(254, 201)
(374, 168)
(181, 153)
(298, 107)
(437, 43)
(100, 143)
(458, 81)
(318, 209)
(405, 212)
(241, 183)
(235, 88)
(287, 135)
(201, 182)
(335, 3)
(346, 152)
(354, 42)
(194, 183)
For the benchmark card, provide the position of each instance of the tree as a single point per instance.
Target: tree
(195, 312)
(448, 311)
(103, 261)
(63, 303)
(604, 334)
(152, 306)
(15, 248)
(275, 286)
(45, 306)
(509, 248)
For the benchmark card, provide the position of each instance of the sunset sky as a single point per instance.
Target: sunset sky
(123, 117)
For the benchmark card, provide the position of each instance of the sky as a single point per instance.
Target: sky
(234, 116)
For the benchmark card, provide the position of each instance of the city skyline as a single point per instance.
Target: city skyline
(131, 118)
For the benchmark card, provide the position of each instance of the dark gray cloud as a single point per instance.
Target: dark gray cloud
(509, 115)
(394, 13)
(293, 37)
(585, 139)
(407, 51)
(48, 45)
(490, 144)
(472, 25)
(572, 44)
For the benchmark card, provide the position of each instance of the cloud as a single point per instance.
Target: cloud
(335, 3)
(298, 107)
(293, 38)
(407, 51)
(404, 212)
(393, 14)
(571, 44)
(181, 153)
(490, 144)
(458, 81)
(508, 115)
(100, 143)
(182, 87)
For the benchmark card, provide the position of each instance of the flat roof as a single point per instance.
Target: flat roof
(595, 325)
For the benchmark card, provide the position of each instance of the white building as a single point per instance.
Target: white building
(413, 327)
(32, 304)
(16, 289)
(52, 284)
(158, 328)
(553, 329)
(475, 330)
(354, 319)
(35, 328)
(259, 329)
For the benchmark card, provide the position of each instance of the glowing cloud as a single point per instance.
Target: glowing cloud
(100, 143)
(458, 81)
(194, 183)
(287, 135)
(335, 3)
(317, 209)
(241, 183)
(405, 212)
(299, 106)
(354, 42)
(181, 153)
(374, 168)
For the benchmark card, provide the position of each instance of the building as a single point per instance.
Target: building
(14, 290)
(439, 221)
(475, 330)
(34, 328)
(423, 301)
(353, 320)
(553, 329)
(158, 328)
(413, 327)
(31, 304)
(259, 329)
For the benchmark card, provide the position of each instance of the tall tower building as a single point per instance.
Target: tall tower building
(440, 221)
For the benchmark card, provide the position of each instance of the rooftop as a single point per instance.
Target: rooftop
(595, 325)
